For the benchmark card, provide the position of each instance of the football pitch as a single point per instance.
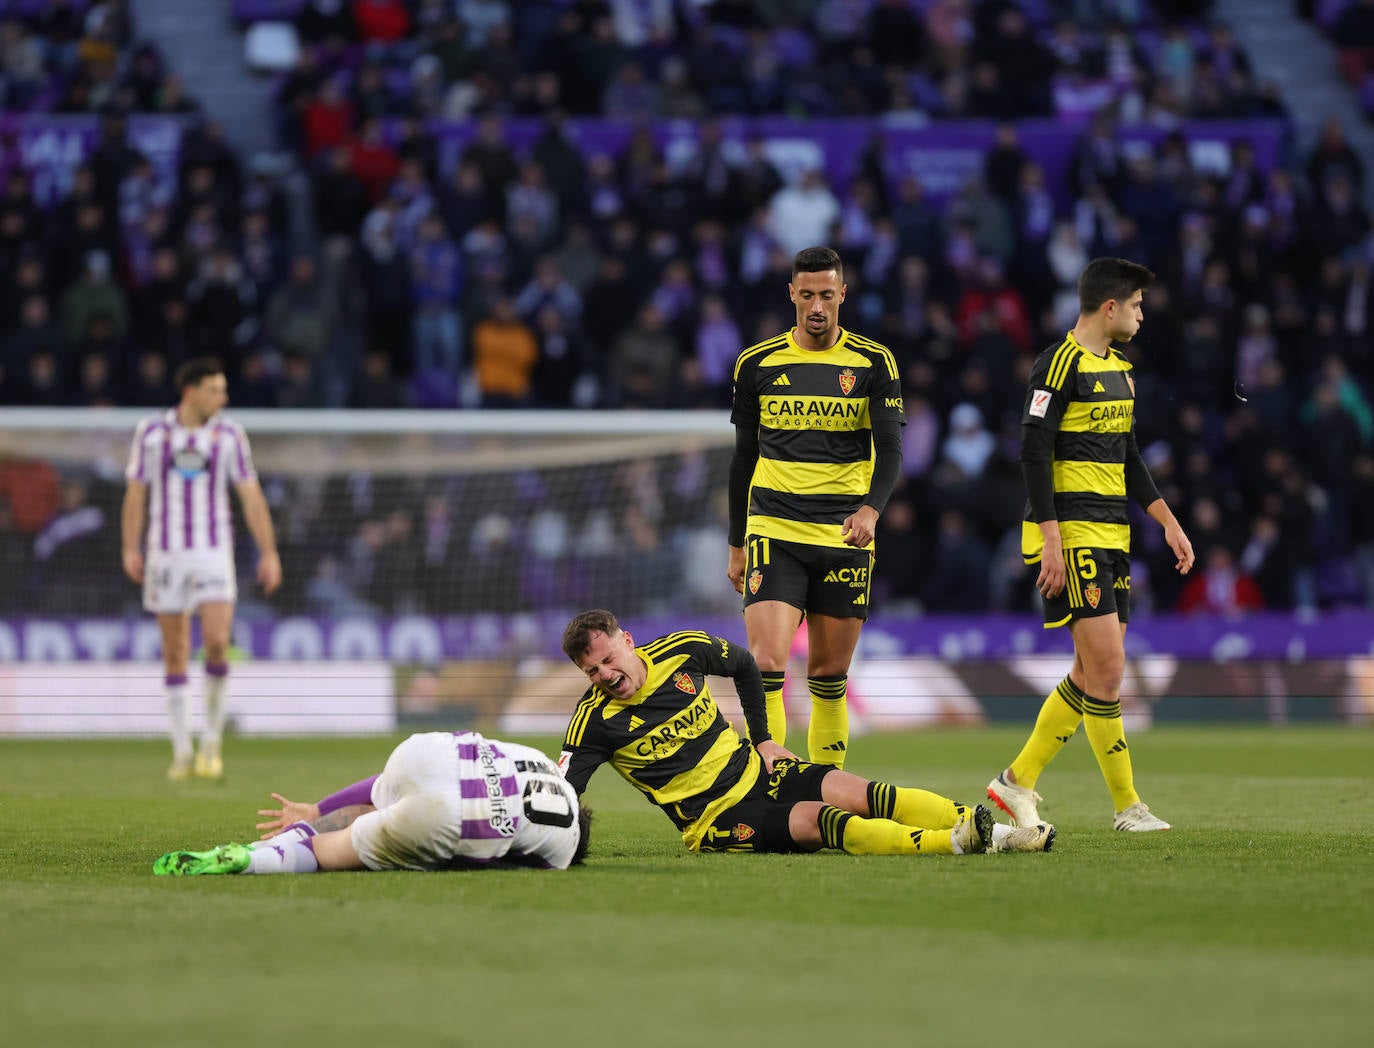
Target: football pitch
(1251, 923)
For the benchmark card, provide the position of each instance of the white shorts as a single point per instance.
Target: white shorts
(179, 583)
(421, 808)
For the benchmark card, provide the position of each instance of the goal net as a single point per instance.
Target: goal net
(387, 514)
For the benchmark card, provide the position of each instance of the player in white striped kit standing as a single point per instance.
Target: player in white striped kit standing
(178, 544)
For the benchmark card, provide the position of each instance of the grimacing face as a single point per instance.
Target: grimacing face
(1125, 317)
(817, 297)
(611, 664)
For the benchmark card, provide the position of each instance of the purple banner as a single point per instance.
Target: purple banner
(942, 155)
(51, 148)
(427, 639)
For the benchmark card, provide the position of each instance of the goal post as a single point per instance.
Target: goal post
(396, 512)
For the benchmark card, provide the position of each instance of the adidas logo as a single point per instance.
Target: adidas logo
(860, 599)
(1119, 747)
(635, 722)
(1098, 387)
(782, 380)
(837, 746)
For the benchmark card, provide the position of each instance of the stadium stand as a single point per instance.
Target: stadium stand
(618, 186)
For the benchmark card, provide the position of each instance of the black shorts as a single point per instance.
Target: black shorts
(758, 823)
(822, 580)
(1096, 582)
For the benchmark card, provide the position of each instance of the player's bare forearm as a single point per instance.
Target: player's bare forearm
(258, 517)
(259, 520)
(341, 818)
(132, 518)
(1174, 534)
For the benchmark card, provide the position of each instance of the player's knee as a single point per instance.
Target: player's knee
(1104, 678)
(803, 823)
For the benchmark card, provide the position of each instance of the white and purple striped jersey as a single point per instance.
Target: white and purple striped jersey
(188, 472)
(447, 800)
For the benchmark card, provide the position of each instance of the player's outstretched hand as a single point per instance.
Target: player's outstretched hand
(1183, 549)
(269, 572)
(133, 565)
(289, 812)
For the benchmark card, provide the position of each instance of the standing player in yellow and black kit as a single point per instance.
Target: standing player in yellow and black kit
(1081, 462)
(818, 418)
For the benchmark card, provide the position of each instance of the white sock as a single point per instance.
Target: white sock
(216, 685)
(297, 831)
(178, 717)
(284, 853)
(999, 833)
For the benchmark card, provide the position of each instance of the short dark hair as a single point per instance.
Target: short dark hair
(817, 260)
(584, 836)
(195, 371)
(577, 637)
(1105, 278)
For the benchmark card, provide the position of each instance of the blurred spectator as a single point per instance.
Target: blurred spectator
(800, 215)
(643, 362)
(436, 283)
(1219, 588)
(504, 354)
(300, 316)
(375, 385)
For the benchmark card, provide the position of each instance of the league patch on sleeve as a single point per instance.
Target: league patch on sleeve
(563, 759)
(1040, 402)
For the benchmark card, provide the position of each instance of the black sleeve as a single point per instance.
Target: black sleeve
(1139, 484)
(583, 749)
(887, 445)
(734, 660)
(742, 465)
(1037, 469)
(749, 685)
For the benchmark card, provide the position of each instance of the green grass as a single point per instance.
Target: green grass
(1252, 923)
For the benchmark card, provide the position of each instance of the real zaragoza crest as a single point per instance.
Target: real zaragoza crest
(1092, 593)
(755, 580)
(847, 380)
(683, 682)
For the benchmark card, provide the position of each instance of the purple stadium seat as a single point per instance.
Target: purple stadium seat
(249, 11)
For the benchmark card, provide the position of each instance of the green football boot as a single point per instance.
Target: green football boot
(227, 858)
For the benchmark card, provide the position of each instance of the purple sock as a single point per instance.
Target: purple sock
(359, 793)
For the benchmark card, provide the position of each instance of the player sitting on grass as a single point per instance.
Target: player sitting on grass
(649, 713)
(443, 801)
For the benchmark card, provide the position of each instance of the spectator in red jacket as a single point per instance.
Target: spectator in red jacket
(381, 21)
(1220, 588)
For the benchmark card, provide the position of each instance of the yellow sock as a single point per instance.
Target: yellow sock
(777, 712)
(1058, 720)
(827, 737)
(911, 807)
(1107, 734)
(859, 836)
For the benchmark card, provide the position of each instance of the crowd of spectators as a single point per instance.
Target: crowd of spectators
(81, 56)
(504, 276)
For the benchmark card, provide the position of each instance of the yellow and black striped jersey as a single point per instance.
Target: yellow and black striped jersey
(815, 411)
(1089, 401)
(669, 739)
